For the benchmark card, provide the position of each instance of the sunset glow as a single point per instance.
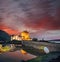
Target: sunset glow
(30, 15)
(8, 30)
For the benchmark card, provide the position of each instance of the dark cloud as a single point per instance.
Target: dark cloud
(35, 14)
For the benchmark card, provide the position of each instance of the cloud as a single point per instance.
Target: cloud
(46, 34)
(30, 14)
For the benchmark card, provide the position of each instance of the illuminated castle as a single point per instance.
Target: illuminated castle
(16, 37)
(23, 36)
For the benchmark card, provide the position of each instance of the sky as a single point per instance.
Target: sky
(40, 17)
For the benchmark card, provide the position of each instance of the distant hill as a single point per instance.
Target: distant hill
(4, 36)
(55, 40)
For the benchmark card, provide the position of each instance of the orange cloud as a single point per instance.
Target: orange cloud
(8, 30)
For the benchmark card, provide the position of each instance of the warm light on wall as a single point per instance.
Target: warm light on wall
(15, 37)
(25, 35)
